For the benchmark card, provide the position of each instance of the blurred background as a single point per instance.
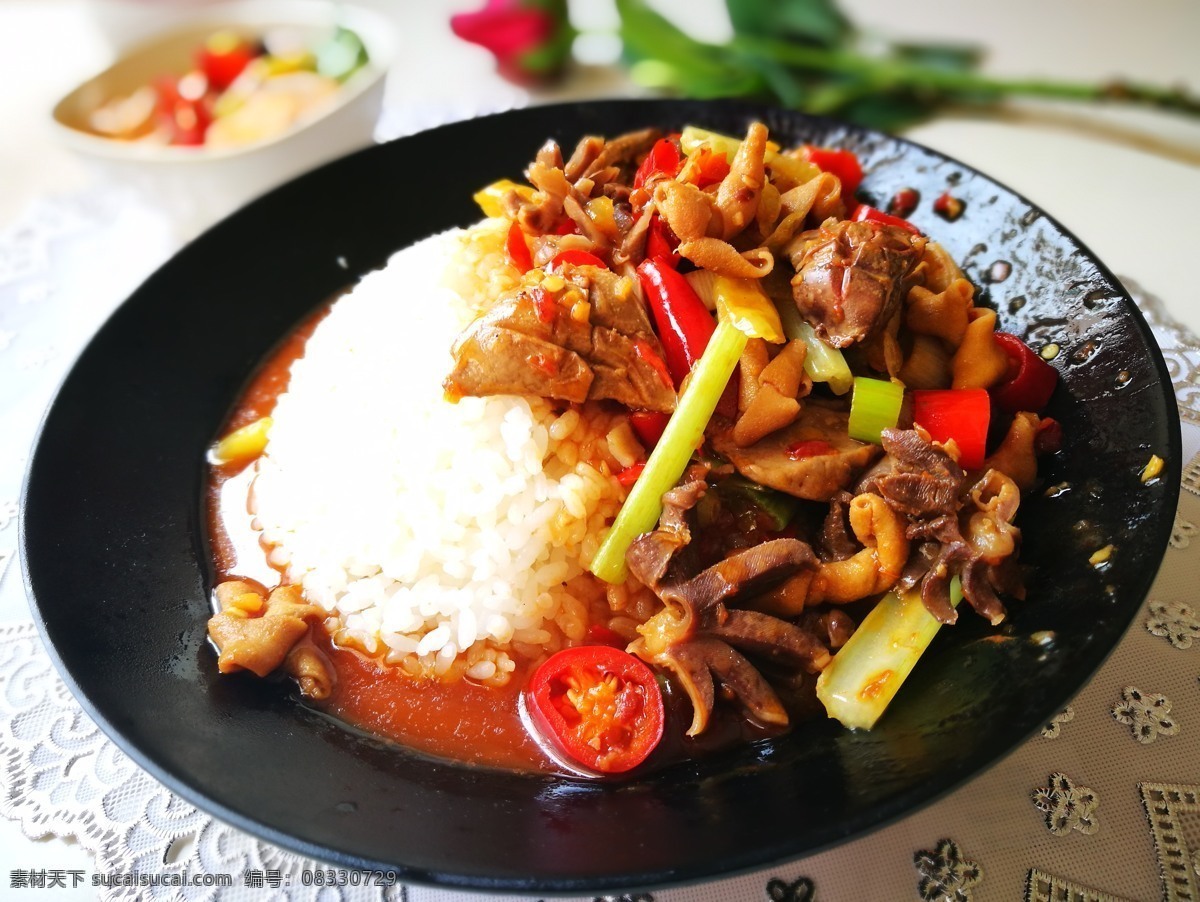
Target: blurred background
(1098, 165)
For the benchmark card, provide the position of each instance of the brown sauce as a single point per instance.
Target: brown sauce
(460, 720)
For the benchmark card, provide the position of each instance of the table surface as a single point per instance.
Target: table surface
(1126, 182)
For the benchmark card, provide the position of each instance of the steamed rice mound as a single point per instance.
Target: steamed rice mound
(438, 536)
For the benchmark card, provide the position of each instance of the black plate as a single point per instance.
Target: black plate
(115, 553)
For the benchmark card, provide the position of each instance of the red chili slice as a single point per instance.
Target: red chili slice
(961, 414)
(600, 706)
(1030, 381)
(842, 163)
(864, 213)
(518, 248)
(663, 159)
(648, 425)
(577, 258)
(630, 474)
(711, 168)
(661, 242)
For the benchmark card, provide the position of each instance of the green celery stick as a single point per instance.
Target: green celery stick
(670, 457)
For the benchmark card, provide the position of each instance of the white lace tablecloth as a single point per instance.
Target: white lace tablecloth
(1104, 805)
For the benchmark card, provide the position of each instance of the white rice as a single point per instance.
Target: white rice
(425, 528)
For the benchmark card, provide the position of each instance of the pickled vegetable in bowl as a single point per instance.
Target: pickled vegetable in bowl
(240, 88)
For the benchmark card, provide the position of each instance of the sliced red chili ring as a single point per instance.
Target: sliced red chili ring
(600, 706)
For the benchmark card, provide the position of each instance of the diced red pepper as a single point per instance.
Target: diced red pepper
(864, 213)
(961, 414)
(518, 248)
(711, 168)
(648, 426)
(683, 323)
(598, 634)
(904, 202)
(629, 476)
(661, 242)
(1030, 380)
(842, 163)
(948, 206)
(663, 159)
(577, 258)
(566, 227)
(812, 448)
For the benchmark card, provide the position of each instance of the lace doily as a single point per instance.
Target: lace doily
(1102, 805)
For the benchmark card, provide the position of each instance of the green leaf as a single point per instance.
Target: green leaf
(944, 57)
(665, 56)
(788, 88)
(888, 112)
(817, 22)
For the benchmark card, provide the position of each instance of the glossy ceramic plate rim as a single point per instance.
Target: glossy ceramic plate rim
(639, 112)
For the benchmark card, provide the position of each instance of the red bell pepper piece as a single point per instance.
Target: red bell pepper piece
(1030, 381)
(518, 248)
(683, 323)
(648, 426)
(566, 227)
(711, 168)
(663, 159)
(661, 242)
(842, 163)
(629, 476)
(961, 414)
(577, 258)
(864, 213)
(600, 706)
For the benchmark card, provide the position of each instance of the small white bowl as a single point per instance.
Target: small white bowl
(199, 185)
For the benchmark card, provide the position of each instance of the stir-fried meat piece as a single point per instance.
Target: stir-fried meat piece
(585, 152)
(497, 361)
(311, 670)
(623, 149)
(256, 634)
(957, 530)
(813, 458)
(836, 542)
(699, 661)
(699, 636)
(624, 372)
(742, 575)
(924, 480)
(851, 276)
(566, 345)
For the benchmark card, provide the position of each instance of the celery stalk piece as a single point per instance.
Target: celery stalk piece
(670, 457)
(866, 673)
(823, 363)
(874, 407)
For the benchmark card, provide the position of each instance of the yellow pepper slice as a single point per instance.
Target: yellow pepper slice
(242, 445)
(747, 307)
(491, 198)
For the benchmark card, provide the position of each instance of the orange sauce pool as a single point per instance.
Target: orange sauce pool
(461, 720)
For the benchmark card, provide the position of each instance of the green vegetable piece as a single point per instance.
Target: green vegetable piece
(777, 506)
(823, 362)
(342, 55)
(875, 406)
(867, 672)
(670, 457)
